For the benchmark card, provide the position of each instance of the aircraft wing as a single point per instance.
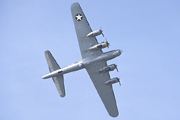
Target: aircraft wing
(83, 28)
(105, 91)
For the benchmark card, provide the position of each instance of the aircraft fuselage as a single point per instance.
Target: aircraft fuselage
(83, 63)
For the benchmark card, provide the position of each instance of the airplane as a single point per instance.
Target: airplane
(94, 60)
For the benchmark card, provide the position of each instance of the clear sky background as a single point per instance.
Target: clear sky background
(148, 32)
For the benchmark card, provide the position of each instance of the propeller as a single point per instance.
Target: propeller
(107, 43)
(119, 81)
(101, 31)
(116, 68)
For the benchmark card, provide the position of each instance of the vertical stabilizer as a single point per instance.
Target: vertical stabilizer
(59, 79)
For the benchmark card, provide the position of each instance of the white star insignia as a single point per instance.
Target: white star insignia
(79, 17)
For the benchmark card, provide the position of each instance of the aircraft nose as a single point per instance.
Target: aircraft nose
(118, 52)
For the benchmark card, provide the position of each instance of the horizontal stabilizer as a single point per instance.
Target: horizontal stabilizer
(59, 82)
(59, 79)
(53, 65)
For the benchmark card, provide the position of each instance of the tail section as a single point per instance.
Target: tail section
(53, 65)
(58, 79)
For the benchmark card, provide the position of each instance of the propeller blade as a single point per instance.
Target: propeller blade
(102, 34)
(117, 68)
(101, 31)
(119, 82)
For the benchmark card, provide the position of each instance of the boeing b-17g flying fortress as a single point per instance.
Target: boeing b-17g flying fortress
(94, 60)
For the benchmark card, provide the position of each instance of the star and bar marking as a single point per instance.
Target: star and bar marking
(78, 17)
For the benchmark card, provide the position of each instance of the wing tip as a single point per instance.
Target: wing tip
(75, 5)
(63, 95)
(47, 51)
(114, 114)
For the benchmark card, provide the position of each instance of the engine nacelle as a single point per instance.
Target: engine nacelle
(100, 46)
(112, 81)
(95, 33)
(108, 68)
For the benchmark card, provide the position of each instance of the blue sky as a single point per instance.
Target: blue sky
(148, 32)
